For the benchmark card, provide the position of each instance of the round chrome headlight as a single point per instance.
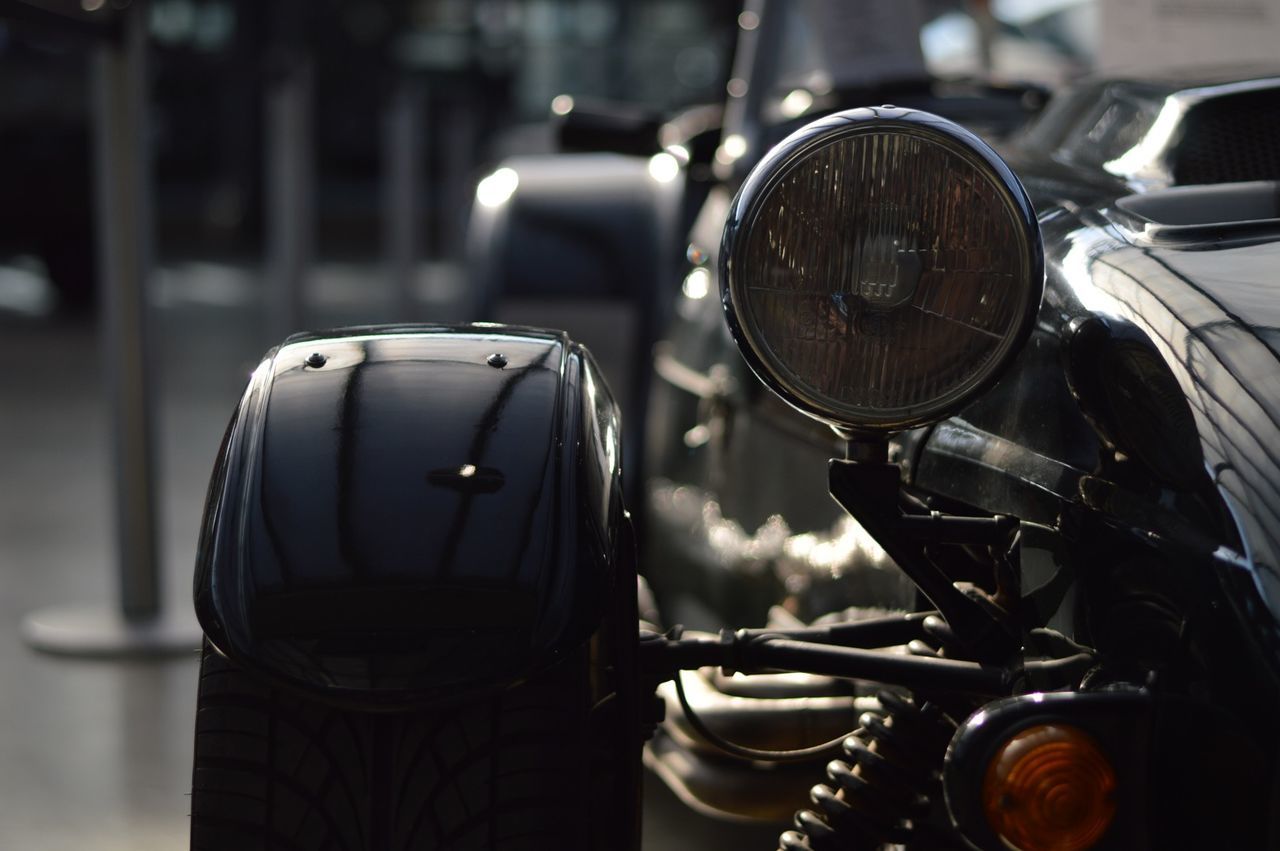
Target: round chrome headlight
(880, 267)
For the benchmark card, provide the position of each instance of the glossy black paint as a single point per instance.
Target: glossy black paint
(409, 518)
(1203, 312)
(883, 119)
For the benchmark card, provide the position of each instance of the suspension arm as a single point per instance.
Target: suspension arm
(913, 672)
(678, 652)
(759, 652)
(884, 631)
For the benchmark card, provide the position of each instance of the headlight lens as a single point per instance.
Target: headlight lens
(881, 266)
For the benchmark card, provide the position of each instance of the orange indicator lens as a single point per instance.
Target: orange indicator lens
(1050, 788)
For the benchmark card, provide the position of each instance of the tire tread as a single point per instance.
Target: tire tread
(278, 772)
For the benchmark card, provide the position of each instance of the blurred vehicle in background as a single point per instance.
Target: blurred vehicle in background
(481, 75)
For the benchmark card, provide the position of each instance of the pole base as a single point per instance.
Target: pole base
(94, 631)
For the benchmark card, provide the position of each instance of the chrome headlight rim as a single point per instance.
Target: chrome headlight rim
(777, 164)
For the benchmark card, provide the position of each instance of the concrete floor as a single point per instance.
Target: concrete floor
(95, 755)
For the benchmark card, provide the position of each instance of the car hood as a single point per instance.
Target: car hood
(1244, 281)
(1210, 311)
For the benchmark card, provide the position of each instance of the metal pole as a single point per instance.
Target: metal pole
(404, 145)
(290, 191)
(125, 248)
(123, 212)
(457, 135)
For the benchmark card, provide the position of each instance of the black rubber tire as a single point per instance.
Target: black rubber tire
(534, 768)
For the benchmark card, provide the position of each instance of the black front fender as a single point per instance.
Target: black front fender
(407, 514)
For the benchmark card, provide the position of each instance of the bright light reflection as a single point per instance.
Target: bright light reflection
(697, 283)
(1077, 268)
(466, 471)
(663, 168)
(748, 20)
(731, 149)
(1133, 161)
(680, 152)
(562, 104)
(497, 188)
(796, 103)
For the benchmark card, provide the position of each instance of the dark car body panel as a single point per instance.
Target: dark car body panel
(1202, 306)
(412, 513)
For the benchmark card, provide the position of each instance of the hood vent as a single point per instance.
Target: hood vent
(1155, 134)
(1229, 139)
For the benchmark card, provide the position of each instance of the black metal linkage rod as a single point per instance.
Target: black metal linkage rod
(662, 656)
(914, 672)
(886, 631)
(869, 492)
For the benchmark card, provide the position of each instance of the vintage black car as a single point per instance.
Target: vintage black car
(1116, 438)
(1039, 613)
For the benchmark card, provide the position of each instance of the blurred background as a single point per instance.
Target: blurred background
(307, 164)
(185, 182)
(478, 77)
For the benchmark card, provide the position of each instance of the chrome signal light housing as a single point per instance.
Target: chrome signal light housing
(880, 268)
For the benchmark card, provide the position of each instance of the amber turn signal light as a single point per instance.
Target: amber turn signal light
(1050, 788)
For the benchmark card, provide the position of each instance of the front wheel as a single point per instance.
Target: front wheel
(536, 767)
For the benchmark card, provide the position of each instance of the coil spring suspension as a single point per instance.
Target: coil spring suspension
(884, 789)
